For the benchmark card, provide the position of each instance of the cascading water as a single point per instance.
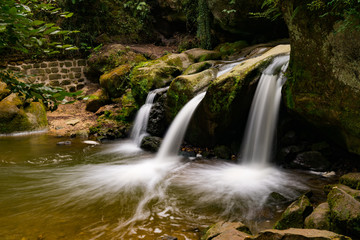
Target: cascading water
(177, 130)
(260, 129)
(142, 117)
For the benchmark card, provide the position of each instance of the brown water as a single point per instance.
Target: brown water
(81, 191)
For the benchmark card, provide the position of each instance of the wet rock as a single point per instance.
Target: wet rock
(345, 212)
(221, 116)
(289, 153)
(295, 214)
(319, 218)
(311, 160)
(227, 230)
(151, 143)
(64, 143)
(299, 234)
(351, 179)
(275, 198)
(157, 124)
(168, 238)
(184, 88)
(222, 152)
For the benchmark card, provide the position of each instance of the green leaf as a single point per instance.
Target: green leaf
(37, 22)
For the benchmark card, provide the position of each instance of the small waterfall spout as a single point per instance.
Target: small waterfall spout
(142, 117)
(175, 135)
(260, 129)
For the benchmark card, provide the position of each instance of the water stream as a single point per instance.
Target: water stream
(78, 191)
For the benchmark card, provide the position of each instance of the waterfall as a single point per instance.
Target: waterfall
(175, 134)
(142, 117)
(260, 129)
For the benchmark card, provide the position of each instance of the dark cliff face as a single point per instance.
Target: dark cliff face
(324, 80)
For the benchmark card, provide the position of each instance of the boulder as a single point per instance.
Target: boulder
(299, 234)
(227, 230)
(295, 214)
(157, 74)
(16, 115)
(345, 212)
(157, 124)
(116, 81)
(109, 57)
(151, 143)
(198, 67)
(185, 87)
(319, 218)
(96, 100)
(351, 179)
(221, 117)
(199, 55)
(323, 87)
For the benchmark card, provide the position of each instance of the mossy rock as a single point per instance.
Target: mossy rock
(198, 67)
(319, 218)
(116, 81)
(226, 228)
(96, 100)
(199, 55)
(323, 87)
(184, 88)
(222, 152)
(221, 117)
(109, 57)
(295, 214)
(4, 92)
(156, 74)
(16, 115)
(351, 179)
(345, 212)
(231, 48)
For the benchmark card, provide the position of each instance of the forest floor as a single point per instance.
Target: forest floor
(72, 119)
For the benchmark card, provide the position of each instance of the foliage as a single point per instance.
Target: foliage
(50, 96)
(23, 26)
(111, 20)
(347, 10)
(204, 25)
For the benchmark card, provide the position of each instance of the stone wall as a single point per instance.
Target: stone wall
(68, 74)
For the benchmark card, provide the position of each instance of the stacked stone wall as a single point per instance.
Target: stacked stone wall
(68, 74)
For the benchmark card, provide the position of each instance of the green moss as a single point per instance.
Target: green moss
(231, 48)
(351, 179)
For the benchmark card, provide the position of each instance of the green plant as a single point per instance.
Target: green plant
(23, 27)
(50, 96)
(204, 25)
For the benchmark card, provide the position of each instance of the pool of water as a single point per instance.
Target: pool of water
(111, 191)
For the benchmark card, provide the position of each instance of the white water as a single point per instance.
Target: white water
(142, 117)
(175, 134)
(260, 129)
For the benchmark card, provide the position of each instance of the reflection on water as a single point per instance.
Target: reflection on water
(82, 191)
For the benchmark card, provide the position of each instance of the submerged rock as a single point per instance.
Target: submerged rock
(151, 143)
(295, 214)
(319, 218)
(299, 234)
(227, 230)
